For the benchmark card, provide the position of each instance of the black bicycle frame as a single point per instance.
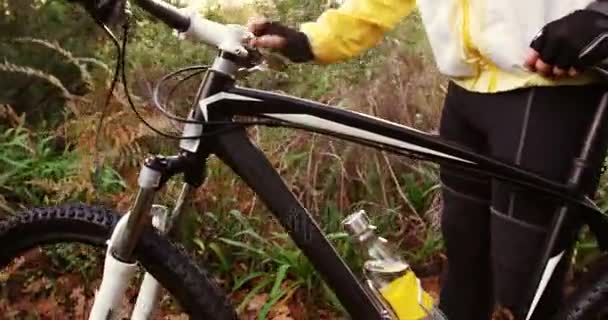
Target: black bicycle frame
(220, 99)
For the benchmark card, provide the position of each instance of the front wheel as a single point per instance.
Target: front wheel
(590, 300)
(196, 294)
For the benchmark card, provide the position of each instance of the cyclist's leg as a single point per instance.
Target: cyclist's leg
(541, 129)
(465, 223)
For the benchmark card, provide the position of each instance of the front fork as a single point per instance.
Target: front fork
(150, 290)
(120, 263)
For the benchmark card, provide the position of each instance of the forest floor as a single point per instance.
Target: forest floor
(34, 287)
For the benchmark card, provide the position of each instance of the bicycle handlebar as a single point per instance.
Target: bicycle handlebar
(167, 13)
(229, 38)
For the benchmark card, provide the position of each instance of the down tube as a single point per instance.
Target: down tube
(253, 167)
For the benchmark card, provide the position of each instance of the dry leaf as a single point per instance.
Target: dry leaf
(79, 300)
(36, 285)
(257, 302)
(47, 307)
(13, 266)
(280, 312)
(280, 308)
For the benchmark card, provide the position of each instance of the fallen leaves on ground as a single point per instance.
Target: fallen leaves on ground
(26, 293)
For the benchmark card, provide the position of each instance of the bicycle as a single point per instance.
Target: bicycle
(210, 128)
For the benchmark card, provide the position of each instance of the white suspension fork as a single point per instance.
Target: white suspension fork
(147, 300)
(116, 278)
(119, 265)
(118, 273)
(150, 290)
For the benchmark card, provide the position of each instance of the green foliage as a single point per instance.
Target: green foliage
(33, 69)
(432, 243)
(156, 48)
(418, 190)
(268, 262)
(59, 20)
(294, 12)
(587, 248)
(28, 161)
(73, 257)
(37, 168)
(109, 181)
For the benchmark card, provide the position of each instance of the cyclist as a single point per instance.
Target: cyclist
(518, 91)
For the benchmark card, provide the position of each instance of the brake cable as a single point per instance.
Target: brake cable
(104, 109)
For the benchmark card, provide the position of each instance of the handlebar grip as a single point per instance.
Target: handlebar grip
(167, 13)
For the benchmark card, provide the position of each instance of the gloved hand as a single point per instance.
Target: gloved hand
(570, 44)
(105, 11)
(291, 43)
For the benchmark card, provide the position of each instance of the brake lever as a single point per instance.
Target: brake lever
(245, 72)
(261, 60)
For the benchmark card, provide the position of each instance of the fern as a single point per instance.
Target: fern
(95, 62)
(10, 116)
(85, 76)
(30, 166)
(124, 140)
(33, 73)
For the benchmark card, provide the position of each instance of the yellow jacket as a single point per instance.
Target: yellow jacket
(481, 44)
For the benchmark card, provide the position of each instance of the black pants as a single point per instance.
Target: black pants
(493, 231)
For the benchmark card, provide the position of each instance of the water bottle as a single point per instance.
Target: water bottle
(390, 274)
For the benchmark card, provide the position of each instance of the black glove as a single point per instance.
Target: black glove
(577, 40)
(297, 46)
(105, 11)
